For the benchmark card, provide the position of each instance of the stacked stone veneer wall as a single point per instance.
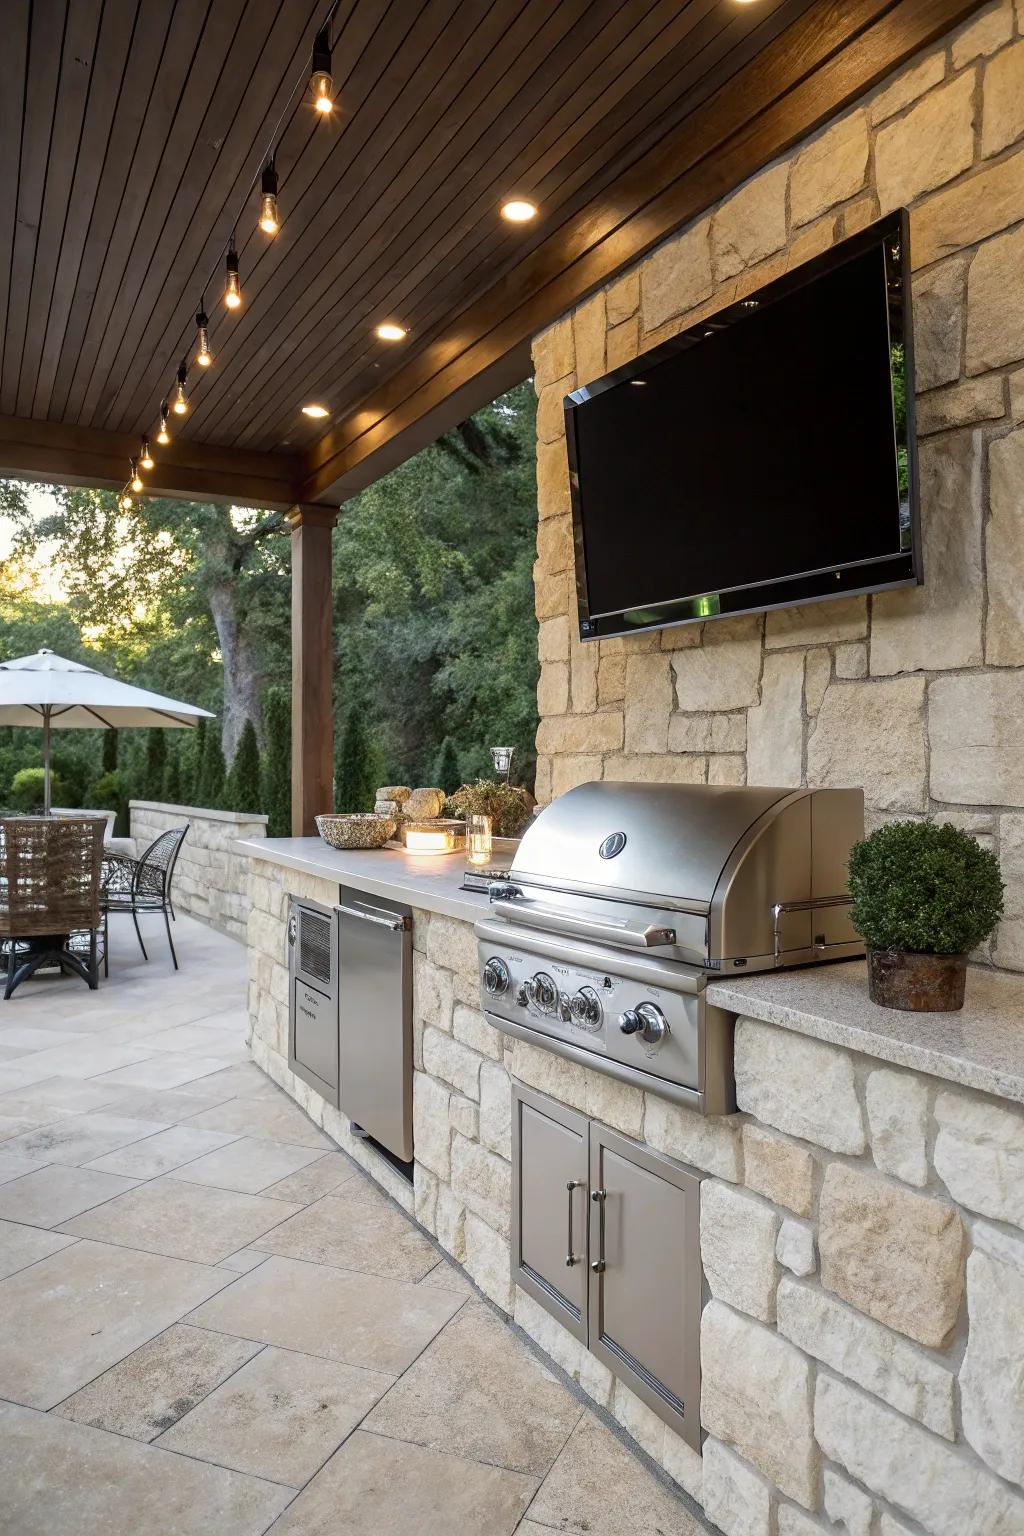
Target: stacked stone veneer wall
(210, 881)
(917, 695)
(862, 1232)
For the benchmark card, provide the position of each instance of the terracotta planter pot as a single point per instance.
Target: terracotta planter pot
(916, 983)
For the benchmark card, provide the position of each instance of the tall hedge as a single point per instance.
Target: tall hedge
(242, 789)
(156, 763)
(354, 766)
(212, 773)
(276, 767)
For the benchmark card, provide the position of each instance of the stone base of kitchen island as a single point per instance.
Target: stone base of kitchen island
(861, 1233)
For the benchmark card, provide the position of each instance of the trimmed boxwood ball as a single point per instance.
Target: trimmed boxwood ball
(926, 888)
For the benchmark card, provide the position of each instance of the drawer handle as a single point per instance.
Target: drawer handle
(599, 1196)
(570, 1186)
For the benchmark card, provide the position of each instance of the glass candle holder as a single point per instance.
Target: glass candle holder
(478, 839)
(437, 836)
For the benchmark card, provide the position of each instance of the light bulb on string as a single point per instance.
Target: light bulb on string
(145, 456)
(232, 284)
(163, 436)
(136, 480)
(320, 83)
(204, 357)
(180, 398)
(268, 200)
(125, 502)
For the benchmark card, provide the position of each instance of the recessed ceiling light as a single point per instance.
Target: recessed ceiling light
(315, 410)
(518, 211)
(389, 331)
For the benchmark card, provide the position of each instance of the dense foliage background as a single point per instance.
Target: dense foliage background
(435, 636)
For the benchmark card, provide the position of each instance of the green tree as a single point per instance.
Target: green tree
(276, 765)
(446, 768)
(354, 768)
(191, 767)
(172, 774)
(156, 764)
(242, 788)
(109, 759)
(212, 773)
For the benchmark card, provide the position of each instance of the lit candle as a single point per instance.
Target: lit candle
(478, 838)
(436, 840)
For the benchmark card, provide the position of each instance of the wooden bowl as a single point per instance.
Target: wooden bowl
(357, 829)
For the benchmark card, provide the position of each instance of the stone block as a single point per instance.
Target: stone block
(1004, 551)
(895, 1255)
(464, 1116)
(1009, 940)
(431, 993)
(470, 1026)
(802, 1086)
(577, 768)
(897, 1106)
(778, 1169)
(992, 1374)
(931, 145)
(649, 699)
(1002, 119)
(775, 727)
(872, 734)
(425, 1197)
(553, 688)
(794, 1522)
(554, 552)
(622, 298)
(728, 733)
(751, 224)
(709, 1142)
(431, 1128)
(647, 1429)
(961, 405)
(738, 1233)
(496, 1109)
(552, 480)
(869, 1354)
(583, 676)
(487, 1261)
(553, 639)
(939, 299)
(616, 1104)
(553, 353)
(589, 326)
(654, 768)
(575, 733)
(832, 168)
(841, 618)
(557, 1341)
(450, 1218)
(984, 204)
(817, 676)
(907, 85)
(676, 277)
(939, 625)
(735, 1498)
(755, 1395)
(979, 1155)
(551, 411)
(452, 943)
(622, 344)
(483, 1182)
(917, 1472)
(984, 34)
(724, 672)
(846, 1505)
(851, 661)
(995, 329)
(727, 770)
(794, 1247)
(976, 732)
(611, 679)
(563, 1080)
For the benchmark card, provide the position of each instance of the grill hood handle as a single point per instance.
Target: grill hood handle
(509, 902)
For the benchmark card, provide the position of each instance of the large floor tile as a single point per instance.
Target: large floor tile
(148, 1391)
(184, 1221)
(52, 1194)
(359, 1319)
(21, 1246)
(172, 1105)
(160, 1153)
(280, 1416)
(36, 1039)
(81, 1310)
(247, 1163)
(13, 1165)
(244, 1080)
(16, 1125)
(596, 1487)
(71, 1095)
(165, 1069)
(355, 1228)
(201, 1038)
(274, 1119)
(88, 1059)
(478, 1391)
(378, 1487)
(62, 1477)
(78, 1139)
(323, 1177)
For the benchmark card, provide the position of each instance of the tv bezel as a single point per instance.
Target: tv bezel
(903, 568)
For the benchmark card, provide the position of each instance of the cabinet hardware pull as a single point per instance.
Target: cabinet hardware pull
(598, 1196)
(571, 1258)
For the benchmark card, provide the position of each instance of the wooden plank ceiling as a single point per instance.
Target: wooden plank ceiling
(133, 132)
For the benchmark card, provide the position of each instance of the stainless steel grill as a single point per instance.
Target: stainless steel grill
(625, 899)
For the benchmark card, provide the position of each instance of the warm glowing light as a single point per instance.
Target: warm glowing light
(204, 357)
(320, 83)
(145, 457)
(316, 411)
(440, 841)
(478, 838)
(136, 480)
(232, 285)
(389, 331)
(163, 437)
(125, 502)
(180, 398)
(268, 201)
(518, 211)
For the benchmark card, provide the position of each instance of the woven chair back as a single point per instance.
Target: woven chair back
(49, 875)
(155, 868)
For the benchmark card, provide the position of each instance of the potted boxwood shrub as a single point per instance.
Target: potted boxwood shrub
(923, 896)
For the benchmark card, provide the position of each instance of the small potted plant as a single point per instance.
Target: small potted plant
(924, 896)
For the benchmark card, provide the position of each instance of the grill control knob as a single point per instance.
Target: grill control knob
(645, 1020)
(543, 992)
(586, 1009)
(522, 995)
(496, 977)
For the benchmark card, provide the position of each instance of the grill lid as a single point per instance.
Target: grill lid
(668, 842)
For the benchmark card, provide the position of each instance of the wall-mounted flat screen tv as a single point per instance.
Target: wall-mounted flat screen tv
(762, 458)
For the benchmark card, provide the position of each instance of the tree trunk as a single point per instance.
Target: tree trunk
(243, 682)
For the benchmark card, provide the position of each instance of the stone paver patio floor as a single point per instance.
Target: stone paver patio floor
(213, 1324)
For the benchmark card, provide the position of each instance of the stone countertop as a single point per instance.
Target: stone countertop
(981, 1047)
(422, 880)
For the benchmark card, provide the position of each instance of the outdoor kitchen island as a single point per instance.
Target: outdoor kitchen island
(861, 1214)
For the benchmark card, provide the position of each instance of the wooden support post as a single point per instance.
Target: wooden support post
(312, 713)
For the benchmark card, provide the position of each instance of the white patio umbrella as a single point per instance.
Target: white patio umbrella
(48, 691)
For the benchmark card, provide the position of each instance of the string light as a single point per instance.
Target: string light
(204, 357)
(163, 437)
(136, 480)
(268, 200)
(145, 457)
(125, 502)
(232, 286)
(389, 331)
(180, 398)
(320, 83)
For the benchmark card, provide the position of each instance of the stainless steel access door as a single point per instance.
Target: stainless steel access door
(375, 1027)
(313, 996)
(646, 1277)
(549, 1206)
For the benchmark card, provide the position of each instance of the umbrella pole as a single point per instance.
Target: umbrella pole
(46, 759)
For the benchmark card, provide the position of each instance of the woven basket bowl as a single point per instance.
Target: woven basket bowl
(358, 829)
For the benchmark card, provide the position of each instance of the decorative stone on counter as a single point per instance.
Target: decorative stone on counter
(756, 1395)
(867, 1353)
(794, 1247)
(778, 1169)
(735, 1498)
(737, 1246)
(799, 1085)
(897, 1107)
(896, 1256)
(979, 1155)
(992, 1375)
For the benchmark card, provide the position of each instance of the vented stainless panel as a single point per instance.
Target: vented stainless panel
(315, 947)
(313, 996)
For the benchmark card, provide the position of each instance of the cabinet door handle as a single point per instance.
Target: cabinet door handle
(599, 1196)
(571, 1258)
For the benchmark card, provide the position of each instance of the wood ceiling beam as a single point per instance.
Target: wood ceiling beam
(66, 455)
(826, 59)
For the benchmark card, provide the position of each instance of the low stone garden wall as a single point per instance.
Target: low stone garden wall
(210, 882)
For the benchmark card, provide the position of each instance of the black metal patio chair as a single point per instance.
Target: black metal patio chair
(142, 884)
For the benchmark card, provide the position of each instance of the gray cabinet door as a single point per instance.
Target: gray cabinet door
(549, 1206)
(646, 1278)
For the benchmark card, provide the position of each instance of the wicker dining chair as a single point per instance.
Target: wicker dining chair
(142, 885)
(50, 870)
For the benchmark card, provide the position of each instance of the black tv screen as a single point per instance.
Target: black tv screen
(762, 458)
